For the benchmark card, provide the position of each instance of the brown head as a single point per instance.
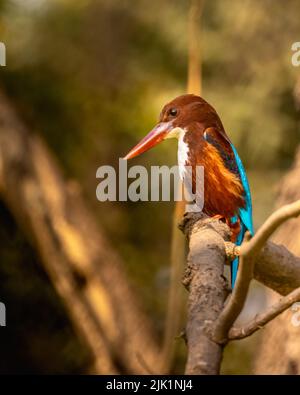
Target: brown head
(179, 114)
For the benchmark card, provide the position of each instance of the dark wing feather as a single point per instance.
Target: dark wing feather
(223, 145)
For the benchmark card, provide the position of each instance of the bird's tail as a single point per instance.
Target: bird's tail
(235, 262)
(234, 269)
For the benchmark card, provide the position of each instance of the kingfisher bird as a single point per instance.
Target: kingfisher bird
(202, 141)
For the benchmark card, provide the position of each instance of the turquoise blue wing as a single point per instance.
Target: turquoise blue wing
(245, 213)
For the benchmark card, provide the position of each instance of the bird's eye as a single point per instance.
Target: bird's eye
(173, 112)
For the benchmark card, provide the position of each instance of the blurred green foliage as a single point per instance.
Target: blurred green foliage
(91, 78)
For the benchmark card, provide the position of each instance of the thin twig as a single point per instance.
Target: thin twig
(237, 300)
(262, 319)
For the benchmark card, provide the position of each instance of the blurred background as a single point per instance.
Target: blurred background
(90, 78)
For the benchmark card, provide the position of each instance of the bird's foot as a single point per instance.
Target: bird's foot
(234, 227)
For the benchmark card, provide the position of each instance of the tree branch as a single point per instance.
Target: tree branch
(237, 300)
(248, 254)
(262, 319)
(208, 326)
(268, 228)
(207, 290)
(275, 266)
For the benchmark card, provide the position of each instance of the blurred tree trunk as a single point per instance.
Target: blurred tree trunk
(279, 350)
(81, 264)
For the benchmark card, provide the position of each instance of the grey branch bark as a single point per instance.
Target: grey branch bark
(275, 267)
(208, 324)
(207, 291)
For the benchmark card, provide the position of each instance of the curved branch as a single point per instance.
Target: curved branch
(275, 266)
(268, 228)
(262, 319)
(248, 254)
(237, 300)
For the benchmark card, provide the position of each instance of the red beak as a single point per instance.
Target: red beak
(153, 138)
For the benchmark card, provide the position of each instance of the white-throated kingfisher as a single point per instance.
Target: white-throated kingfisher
(202, 141)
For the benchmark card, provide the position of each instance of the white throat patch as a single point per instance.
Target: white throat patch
(183, 149)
